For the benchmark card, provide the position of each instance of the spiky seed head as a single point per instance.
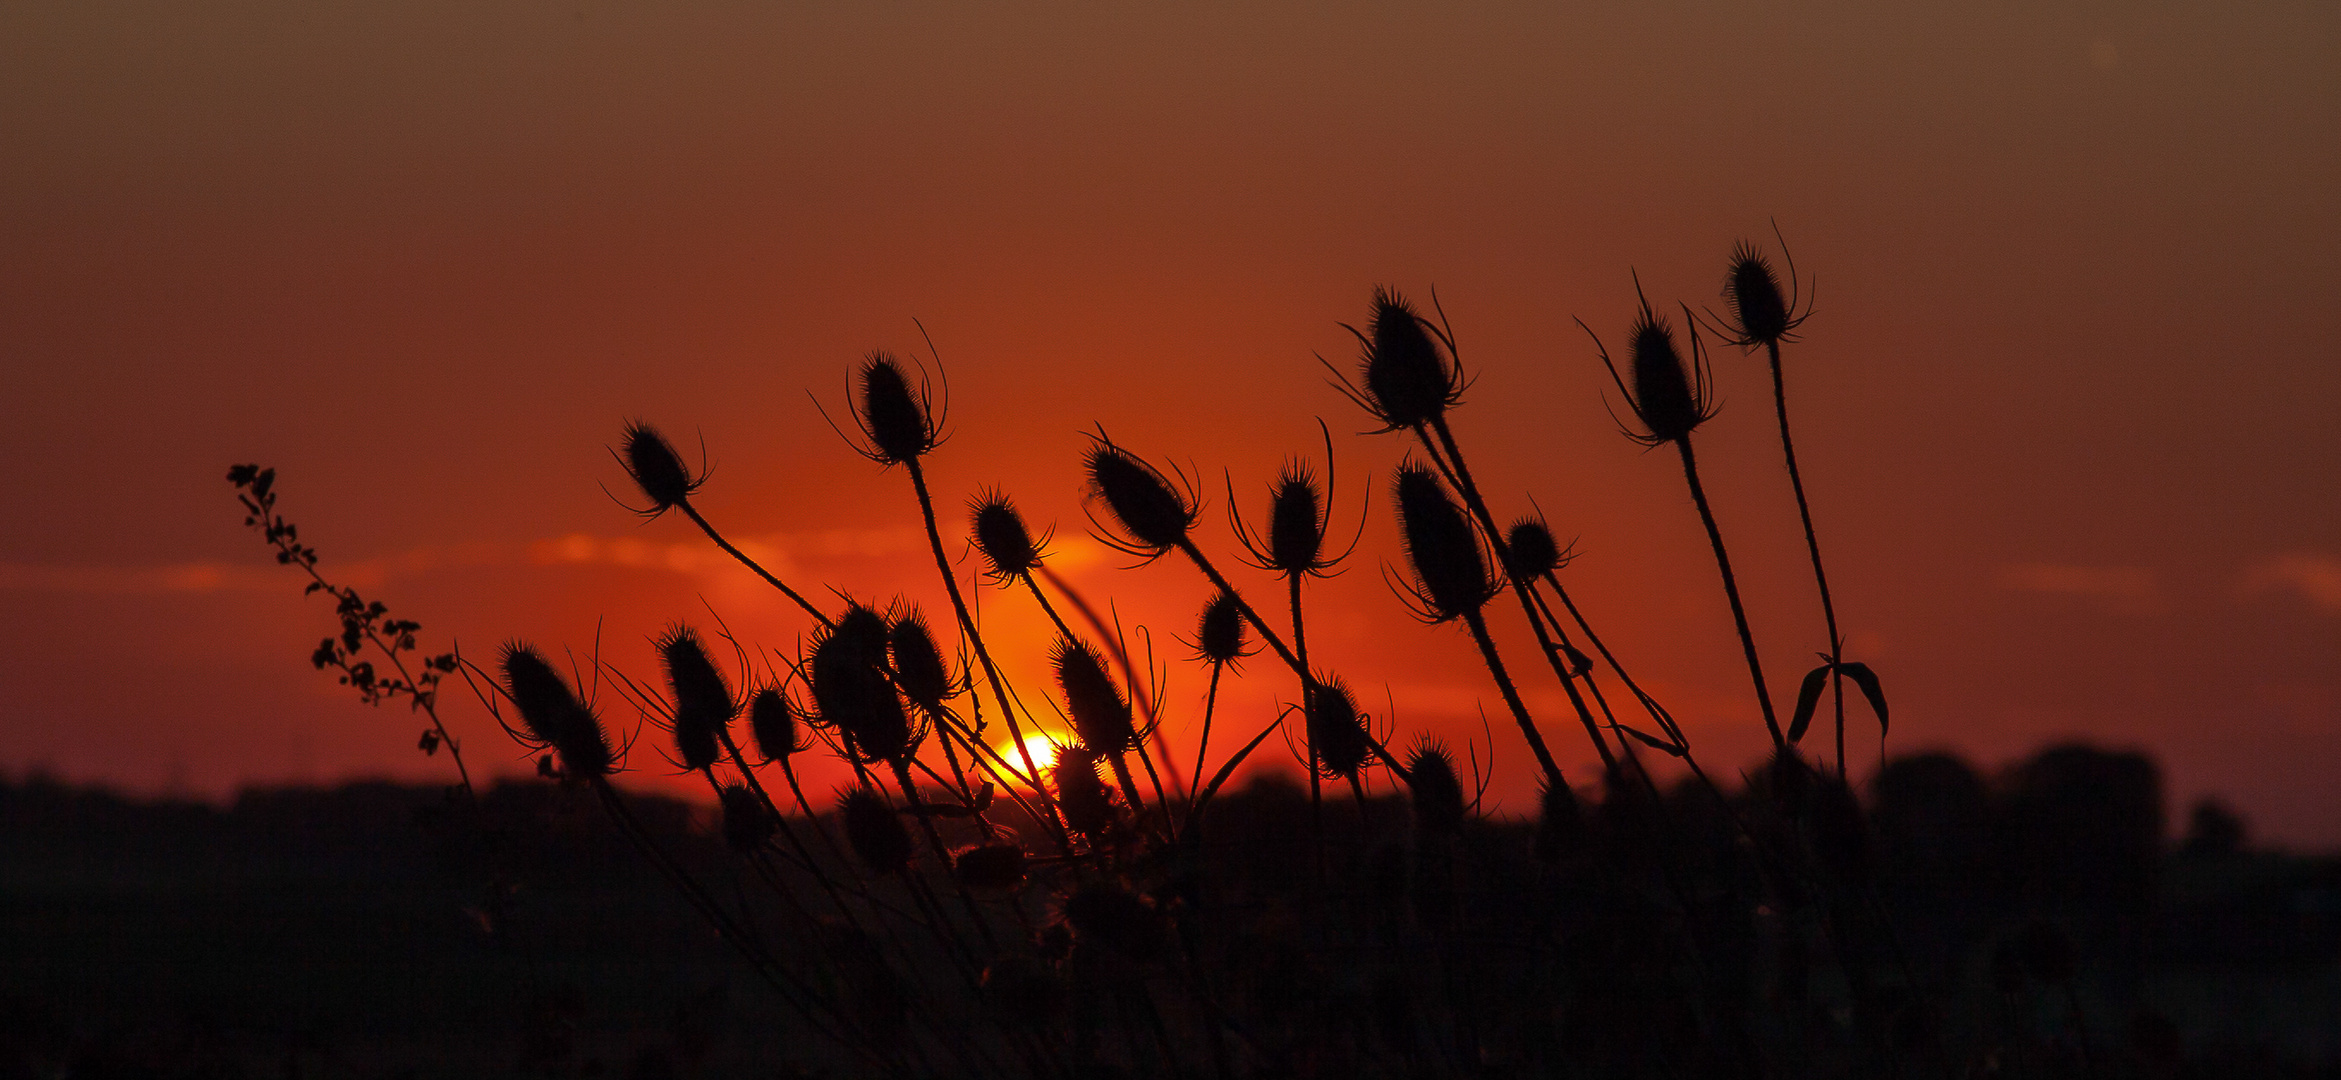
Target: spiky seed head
(1219, 635)
(991, 866)
(773, 720)
(892, 415)
(1561, 836)
(1337, 732)
(1753, 292)
(1101, 715)
(919, 669)
(1841, 837)
(1438, 794)
(656, 468)
(1450, 572)
(1529, 550)
(1119, 919)
(1000, 534)
(852, 690)
(874, 831)
(1153, 513)
(1296, 522)
(552, 714)
(1082, 794)
(1665, 396)
(747, 822)
(704, 705)
(1409, 378)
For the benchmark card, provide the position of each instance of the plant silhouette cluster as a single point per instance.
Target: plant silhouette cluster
(968, 907)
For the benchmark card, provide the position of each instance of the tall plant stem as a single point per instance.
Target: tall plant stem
(918, 481)
(1203, 744)
(1487, 651)
(1461, 475)
(1804, 513)
(1739, 611)
(693, 513)
(1300, 649)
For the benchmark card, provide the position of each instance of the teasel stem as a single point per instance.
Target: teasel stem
(918, 482)
(1203, 744)
(1459, 474)
(1487, 651)
(693, 513)
(1268, 633)
(1300, 649)
(1739, 612)
(1804, 513)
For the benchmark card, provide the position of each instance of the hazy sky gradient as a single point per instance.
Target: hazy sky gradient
(2067, 408)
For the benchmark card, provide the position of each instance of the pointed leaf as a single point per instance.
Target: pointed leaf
(1863, 677)
(1660, 745)
(1807, 696)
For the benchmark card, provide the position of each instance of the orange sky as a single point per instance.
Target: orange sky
(2067, 409)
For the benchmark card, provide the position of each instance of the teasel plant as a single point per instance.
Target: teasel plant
(1760, 317)
(1670, 397)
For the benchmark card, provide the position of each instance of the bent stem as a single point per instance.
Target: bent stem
(1739, 612)
(1804, 514)
(1487, 651)
(693, 513)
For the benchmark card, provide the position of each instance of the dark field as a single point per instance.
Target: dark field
(356, 932)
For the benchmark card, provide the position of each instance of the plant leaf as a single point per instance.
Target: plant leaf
(1863, 677)
(1807, 696)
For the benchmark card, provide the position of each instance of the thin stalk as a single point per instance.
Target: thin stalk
(693, 513)
(1487, 651)
(918, 482)
(1804, 514)
(1739, 612)
(1203, 744)
(1300, 648)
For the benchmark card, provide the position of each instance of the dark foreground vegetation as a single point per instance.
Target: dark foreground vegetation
(339, 932)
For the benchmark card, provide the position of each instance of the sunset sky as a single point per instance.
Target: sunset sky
(2067, 406)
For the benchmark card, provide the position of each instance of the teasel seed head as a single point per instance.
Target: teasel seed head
(1219, 634)
(704, 705)
(1296, 522)
(1337, 732)
(874, 831)
(1438, 795)
(772, 718)
(747, 822)
(991, 866)
(1451, 576)
(852, 690)
(919, 669)
(1669, 396)
(552, 713)
(1119, 919)
(1154, 514)
(656, 468)
(1758, 312)
(1088, 804)
(1100, 714)
(892, 415)
(1408, 373)
(1529, 550)
(1009, 549)
(1561, 836)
